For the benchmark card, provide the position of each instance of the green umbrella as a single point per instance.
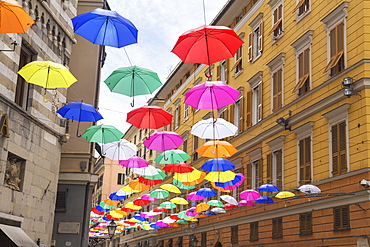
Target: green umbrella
(183, 215)
(159, 194)
(132, 81)
(102, 134)
(216, 203)
(167, 205)
(184, 222)
(105, 206)
(183, 186)
(160, 175)
(172, 157)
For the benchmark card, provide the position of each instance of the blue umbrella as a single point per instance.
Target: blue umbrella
(154, 226)
(264, 200)
(208, 212)
(206, 192)
(115, 197)
(99, 208)
(268, 188)
(138, 217)
(218, 165)
(237, 179)
(80, 112)
(105, 27)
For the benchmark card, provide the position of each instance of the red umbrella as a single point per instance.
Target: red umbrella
(140, 202)
(129, 210)
(149, 117)
(148, 181)
(229, 206)
(175, 217)
(178, 168)
(159, 209)
(207, 44)
(97, 211)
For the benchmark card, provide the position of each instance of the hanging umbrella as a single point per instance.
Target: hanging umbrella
(132, 81)
(131, 205)
(13, 18)
(160, 210)
(216, 149)
(163, 140)
(159, 194)
(202, 207)
(102, 134)
(134, 162)
(167, 205)
(147, 171)
(246, 203)
(170, 188)
(309, 188)
(194, 197)
(168, 220)
(183, 186)
(207, 44)
(229, 199)
(155, 226)
(268, 188)
(206, 192)
(264, 200)
(284, 194)
(232, 184)
(215, 203)
(128, 210)
(218, 210)
(114, 197)
(148, 197)
(189, 176)
(148, 181)
(175, 217)
(220, 176)
(122, 193)
(183, 222)
(119, 150)
(211, 95)
(129, 189)
(149, 117)
(141, 202)
(229, 206)
(111, 202)
(187, 214)
(208, 212)
(101, 209)
(249, 195)
(80, 112)
(138, 217)
(218, 165)
(172, 156)
(97, 211)
(136, 185)
(105, 27)
(178, 168)
(179, 200)
(160, 175)
(106, 206)
(214, 129)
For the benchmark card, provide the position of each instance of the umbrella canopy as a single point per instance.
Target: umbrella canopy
(132, 81)
(148, 197)
(208, 212)
(148, 181)
(134, 162)
(163, 140)
(170, 188)
(149, 117)
(13, 18)
(47, 74)
(160, 175)
(207, 44)
(102, 134)
(249, 195)
(214, 129)
(189, 177)
(147, 171)
(80, 111)
(194, 197)
(220, 176)
(211, 95)
(183, 222)
(183, 186)
(218, 210)
(309, 188)
(139, 217)
(218, 165)
(246, 203)
(114, 197)
(202, 207)
(129, 189)
(172, 156)
(160, 210)
(216, 149)
(136, 185)
(119, 150)
(105, 27)
(141, 202)
(179, 200)
(131, 205)
(215, 203)
(178, 168)
(268, 188)
(159, 194)
(232, 184)
(284, 194)
(206, 192)
(229, 199)
(229, 206)
(264, 200)
(167, 205)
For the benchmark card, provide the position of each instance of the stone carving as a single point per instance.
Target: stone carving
(12, 173)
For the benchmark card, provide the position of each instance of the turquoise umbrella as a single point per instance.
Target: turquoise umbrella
(102, 134)
(172, 156)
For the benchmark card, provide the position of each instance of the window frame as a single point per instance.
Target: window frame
(255, 39)
(340, 223)
(186, 112)
(276, 65)
(238, 59)
(120, 178)
(276, 23)
(304, 6)
(305, 223)
(277, 227)
(195, 155)
(276, 146)
(234, 234)
(255, 102)
(253, 231)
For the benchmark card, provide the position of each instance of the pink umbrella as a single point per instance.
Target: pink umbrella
(149, 198)
(191, 212)
(247, 203)
(211, 95)
(134, 162)
(146, 215)
(163, 140)
(249, 195)
(194, 197)
(162, 224)
(231, 187)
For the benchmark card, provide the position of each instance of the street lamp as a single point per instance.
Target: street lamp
(111, 230)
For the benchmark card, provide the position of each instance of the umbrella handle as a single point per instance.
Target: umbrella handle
(45, 99)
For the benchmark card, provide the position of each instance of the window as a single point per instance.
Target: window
(179, 242)
(238, 114)
(277, 227)
(305, 223)
(234, 234)
(195, 147)
(257, 174)
(254, 100)
(254, 231)
(120, 178)
(127, 171)
(276, 70)
(61, 201)
(238, 65)
(305, 161)
(223, 113)
(203, 239)
(186, 112)
(223, 70)
(185, 145)
(255, 39)
(277, 19)
(275, 168)
(169, 127)
(339, 147)
(176, 117)
(135, 139)
(341, 218)
(255, 168)
(169, 243)
(302, 7)
(100, 181)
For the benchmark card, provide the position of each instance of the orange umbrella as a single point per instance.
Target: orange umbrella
(216, 149)
(110, 202)
(13, 18)
(136, 185)
(202, 207)
(219, 188)
(200, 216)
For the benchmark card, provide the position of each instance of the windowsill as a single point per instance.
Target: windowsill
(303, 15)
(338, 230)
(238, 73)
(277, 38)
(277, 236)
(305, 233)
(253, 239)
(256, 58)
(185, 119)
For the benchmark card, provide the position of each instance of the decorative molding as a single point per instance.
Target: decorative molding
(255, 154)
(277, 62)
(337, 15)
(303, 41)
(276, 143)
(337, 113)
(304, 130)
(255, 80)
(256, 21)
(273, 3)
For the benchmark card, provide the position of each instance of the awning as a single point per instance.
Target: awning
(18, 236)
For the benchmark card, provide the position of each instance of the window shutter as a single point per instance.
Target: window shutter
(61, 201)
(232, 111)
(334, 149)
(279, 168)
(337, 218)
(249, 176)
(342, 147)
(345, 217)
(226, 70)
(269, 168)
(307, 160)
(259, 103)
(248, 116)
(178, 115)
(279, 88)
(300, 3)
(241, 115)
(260, 38)
(301, 162)
(309, 222)
(302, 223)
(250, 47)
(260, 172)
(234, 234)
(218, 73)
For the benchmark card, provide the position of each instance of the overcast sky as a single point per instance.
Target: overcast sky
(160, 23)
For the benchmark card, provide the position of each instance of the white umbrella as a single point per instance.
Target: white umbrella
(214, 129)
(168, 220)
(146, 171)
(218, 210)
(119, 150)
(152, 213)
(229, 199)
(122, 193)
(309, 188)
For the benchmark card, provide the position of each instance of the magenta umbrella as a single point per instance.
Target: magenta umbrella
(134, 162)
(211, 95)
(148, 197)
(249, 195)
(163, 140)
(191, 212)
(194, 197)
(231, 187)
(247, 203)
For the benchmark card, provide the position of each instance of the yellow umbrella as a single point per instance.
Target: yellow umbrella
(129, 189)
(114, 214)
(221, 177)
(202, 207)
(119, 211)
(133, 206)
(191, 219)
(284, 194)
(179, 200)
(188, 177)
(219, 188)
(135, 220)
(216, 149)
(170, 188)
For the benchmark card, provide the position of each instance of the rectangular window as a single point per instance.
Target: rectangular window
(341, 218)
(255, 43)
(195, 147)
(277, 227)
(223, 70)
(336, 43)
(100, 181)
(305, 161)
(135, 139)
(204, 239)
(275, 168)
(120, 178)
(339, 148)
(179, 242)
(303, 84)
(234, 234)
(305, 223)
(277, 29)
(185, 146)
(303, 6)
(238, 114)
(176, 117)
(238, 65)
(257, 104)
(169, 243)
(186, 112)
(254, 230)
(61, 202)
(23, 88)
(257, 174)
(277, 101)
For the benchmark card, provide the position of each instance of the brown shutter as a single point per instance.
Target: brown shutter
(301, 162)
(269, 168)
(260, 38)
(334, 149)
(342, 147)
(337, 218)
(231, 116)
(249, 176)
(274, 90)
(309, 222)
(345, 217)
(260, 172)
(302, 223)
(61, 201)
(250, 47)
(218, 73)
(242, 171)
(307, 160)
(300, 3)
(259, 103)
(241, 115)
(248, 116)
(178, 115)
(226, 70)
(279, 169)
(279, 89)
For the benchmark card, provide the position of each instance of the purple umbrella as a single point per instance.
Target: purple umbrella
(237, 176)
(211, 95)
(247, 203)
(148, 198)
(134, 162)
(249, 195)
(162, 224)
(163, 140)
(194, 197)
(191, 212)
